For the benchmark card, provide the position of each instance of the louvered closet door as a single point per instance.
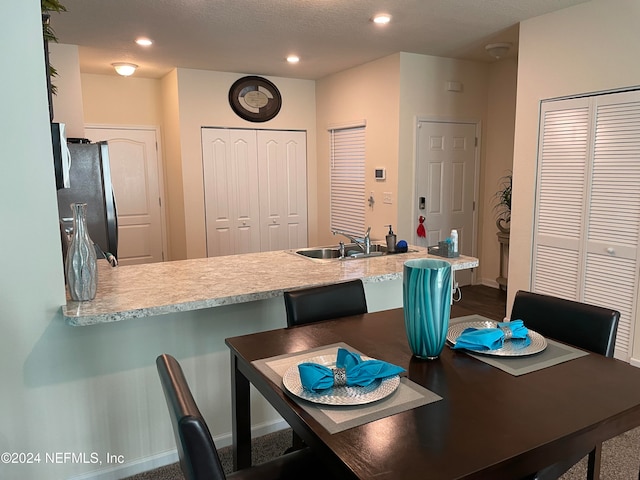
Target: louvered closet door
(588, 205)
(561, 200)
(614, 214)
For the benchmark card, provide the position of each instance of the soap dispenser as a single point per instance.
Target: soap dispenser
(391, 240)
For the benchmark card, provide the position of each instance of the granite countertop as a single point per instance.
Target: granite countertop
(134, 291)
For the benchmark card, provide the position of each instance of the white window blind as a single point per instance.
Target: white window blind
(347, 179)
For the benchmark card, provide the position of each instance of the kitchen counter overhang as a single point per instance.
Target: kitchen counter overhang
(135, 291)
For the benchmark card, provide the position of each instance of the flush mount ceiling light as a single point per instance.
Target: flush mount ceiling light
(498, 50)
(124, 69)
(382, 19)
(144, 42)
(293, 59)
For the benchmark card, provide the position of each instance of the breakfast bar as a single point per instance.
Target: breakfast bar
(134, 291)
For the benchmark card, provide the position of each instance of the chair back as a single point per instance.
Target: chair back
(308, 305)
(579, 324)
(197, 452)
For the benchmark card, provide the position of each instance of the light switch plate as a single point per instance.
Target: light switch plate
(387, 197)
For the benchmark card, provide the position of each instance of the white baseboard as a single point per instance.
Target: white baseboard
(167, 458)
(635, 362)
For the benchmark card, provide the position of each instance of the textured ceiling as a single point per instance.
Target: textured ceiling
(255, 36)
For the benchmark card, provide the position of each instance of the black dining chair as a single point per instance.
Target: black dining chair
(582, 325)
(314, 304)
(197, 452)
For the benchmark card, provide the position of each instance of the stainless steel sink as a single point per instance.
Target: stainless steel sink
(351, 251)
(322, 253)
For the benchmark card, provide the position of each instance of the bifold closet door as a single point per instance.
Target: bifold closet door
(282, 167)
(588, 205)
(232, 210)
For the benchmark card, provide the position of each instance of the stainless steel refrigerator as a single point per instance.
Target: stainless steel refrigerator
(89, 182)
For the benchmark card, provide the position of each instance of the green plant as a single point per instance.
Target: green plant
(47, 6)
(503, 199)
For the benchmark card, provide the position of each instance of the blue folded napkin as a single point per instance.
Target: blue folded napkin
(350, 370)
(481, 339)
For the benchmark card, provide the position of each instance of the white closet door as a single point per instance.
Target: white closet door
(588, 205)
(561, 200)
(282, 167)
(231, 191)
(611, 277)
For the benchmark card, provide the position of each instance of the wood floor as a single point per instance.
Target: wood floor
(486, 301)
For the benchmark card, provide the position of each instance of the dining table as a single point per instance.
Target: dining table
(459, 416)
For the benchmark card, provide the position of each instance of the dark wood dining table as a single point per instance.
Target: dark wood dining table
(489, 424)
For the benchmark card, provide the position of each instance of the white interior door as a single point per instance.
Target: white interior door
(282, 165)
(445, 185)
(137, 183)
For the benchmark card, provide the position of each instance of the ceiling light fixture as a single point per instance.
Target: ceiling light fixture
(144, 42)
(382, 19)
(124, 69)
(498, 50)
(293, 59)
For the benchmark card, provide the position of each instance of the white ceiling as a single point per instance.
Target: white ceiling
(255, 36)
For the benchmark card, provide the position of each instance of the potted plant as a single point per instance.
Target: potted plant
(503, 204)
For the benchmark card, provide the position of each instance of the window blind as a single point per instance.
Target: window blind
(347, 179)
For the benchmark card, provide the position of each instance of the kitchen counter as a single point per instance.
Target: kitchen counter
(135, 291)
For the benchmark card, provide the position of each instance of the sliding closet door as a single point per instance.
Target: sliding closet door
(588, 205)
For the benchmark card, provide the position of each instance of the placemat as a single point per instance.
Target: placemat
(554, 354)
(339, 418)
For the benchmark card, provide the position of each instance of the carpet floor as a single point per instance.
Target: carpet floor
(620, 458)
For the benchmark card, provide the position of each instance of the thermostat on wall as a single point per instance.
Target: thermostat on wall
(380, 173)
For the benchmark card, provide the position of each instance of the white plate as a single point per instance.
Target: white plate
(510, 348)
(377, 390)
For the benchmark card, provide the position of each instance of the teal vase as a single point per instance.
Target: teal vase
(426, 288)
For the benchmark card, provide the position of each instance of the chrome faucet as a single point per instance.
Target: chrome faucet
(364, 243)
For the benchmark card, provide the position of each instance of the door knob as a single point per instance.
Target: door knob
(611, 251)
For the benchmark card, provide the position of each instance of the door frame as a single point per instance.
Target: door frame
(160, 168)
(476, 183)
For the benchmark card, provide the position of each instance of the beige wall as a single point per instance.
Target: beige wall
(587, 48)
(116, 100)
(203, 101)
(369, 92)
(181, 103)
(415, 87)
(423, 81)
(173, 185)
(67, 103)
(184, 100)
(498, 139)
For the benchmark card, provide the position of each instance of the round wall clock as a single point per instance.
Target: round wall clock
(255, 99)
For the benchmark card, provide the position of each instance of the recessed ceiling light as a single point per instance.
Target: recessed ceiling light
(382, 18)
(293, 59)
(145, 42)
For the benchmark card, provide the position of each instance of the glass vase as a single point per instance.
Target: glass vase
(80, 263)
(426, 287)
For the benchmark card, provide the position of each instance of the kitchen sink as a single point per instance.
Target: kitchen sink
(322, 253)
(351, 251)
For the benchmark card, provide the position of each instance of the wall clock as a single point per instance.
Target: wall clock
(255, 99)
